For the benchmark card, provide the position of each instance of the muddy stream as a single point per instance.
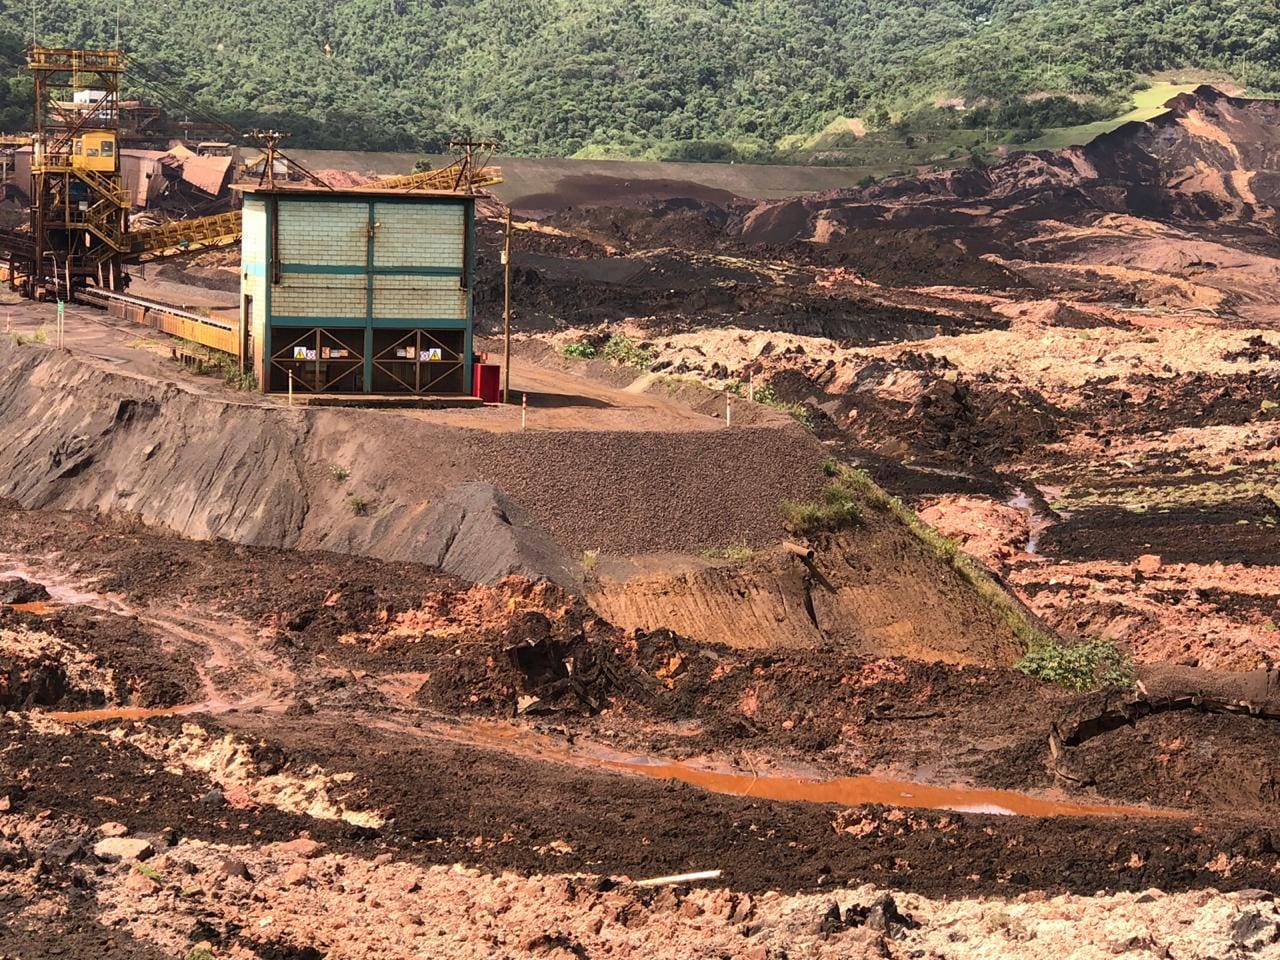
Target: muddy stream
(263, 681)
(845, 791)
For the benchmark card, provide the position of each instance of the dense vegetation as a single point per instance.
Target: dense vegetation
(704, 79)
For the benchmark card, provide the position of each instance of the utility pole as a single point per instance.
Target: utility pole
(506, 313)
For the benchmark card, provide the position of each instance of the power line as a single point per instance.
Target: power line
(160, 88)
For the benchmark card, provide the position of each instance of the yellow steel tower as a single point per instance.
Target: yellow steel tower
(79, 206)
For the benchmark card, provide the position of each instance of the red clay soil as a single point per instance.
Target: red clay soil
(380, 672)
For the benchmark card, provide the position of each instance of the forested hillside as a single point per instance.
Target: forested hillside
(713, 79)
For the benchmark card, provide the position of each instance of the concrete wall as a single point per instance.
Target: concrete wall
(253, 278)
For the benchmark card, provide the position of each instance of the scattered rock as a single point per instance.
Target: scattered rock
(1148, 564)
(885, 916)
(115, 849)
(295, 875)
(882, 916)
(141, 883)
(832, 921)
(214, 798)
(64, 851)
(233, 867)
(1250, 896)
(742, 910)
(303, 847)
(112, 829)
(1252, 930)
(17, 590)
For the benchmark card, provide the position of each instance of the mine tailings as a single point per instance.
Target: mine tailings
(845, 791)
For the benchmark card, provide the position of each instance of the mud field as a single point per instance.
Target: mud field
(335, 712)
(1036, 409)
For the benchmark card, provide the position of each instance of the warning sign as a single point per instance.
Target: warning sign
(433, 353)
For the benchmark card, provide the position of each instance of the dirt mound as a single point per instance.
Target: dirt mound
(911, 257)
(646, 492)
(266, 474)
(477, 533)
(992, 532)
(686, 221)
(16, 590)
(210, 269)
(973, 420)
(76, 657)
(1229, 532)
(592, 190)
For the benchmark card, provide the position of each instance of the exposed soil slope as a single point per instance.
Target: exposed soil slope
(875, 590)
(79, 435)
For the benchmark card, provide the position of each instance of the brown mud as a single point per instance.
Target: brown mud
(356, 724)
(1067, 362)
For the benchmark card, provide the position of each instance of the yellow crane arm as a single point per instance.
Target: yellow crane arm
(453, 177)
(183, 236)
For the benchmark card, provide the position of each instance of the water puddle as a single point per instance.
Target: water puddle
(1037, 522)
(61, 590)
(117, 713)
(943, 472)
(39, 608)
(845, 791)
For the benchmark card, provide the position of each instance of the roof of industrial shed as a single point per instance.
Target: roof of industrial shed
(291, 189)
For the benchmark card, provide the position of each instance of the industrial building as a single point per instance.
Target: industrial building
(346, 292)
(360, 291)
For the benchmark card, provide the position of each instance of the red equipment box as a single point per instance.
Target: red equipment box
(486, 382)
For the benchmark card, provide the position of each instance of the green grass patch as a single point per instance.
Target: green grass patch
(151, 872)
(578, 351)
(224, 365)
(1147, 105)
(622, 351)
(764, 394)
(837, 510)
(735, 553)
(1091, 665)
(40, 336)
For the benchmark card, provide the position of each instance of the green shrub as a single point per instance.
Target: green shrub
(40, 336)
(340, 474)
(223, 365)
(579, 351)
(246, 380)
(764, 394)
(359, 506)
(1081, 667)
(837, 510)
(625, 352)
(151, 872)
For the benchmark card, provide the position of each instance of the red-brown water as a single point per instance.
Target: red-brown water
(846, 791)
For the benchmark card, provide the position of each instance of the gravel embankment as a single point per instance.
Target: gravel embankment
(642, 492)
